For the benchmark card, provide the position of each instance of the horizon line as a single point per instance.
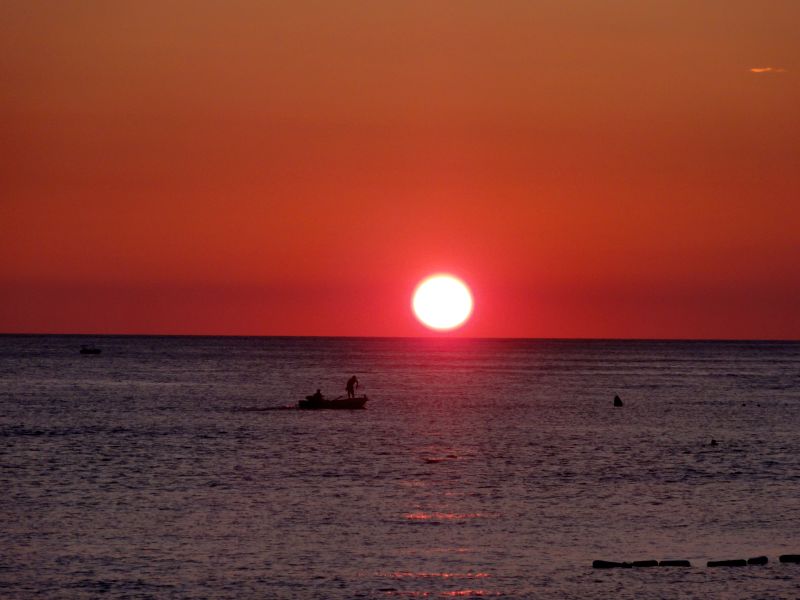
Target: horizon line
(404, 337)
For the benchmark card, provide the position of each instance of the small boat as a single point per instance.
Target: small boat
(312, 403)
(89, 349)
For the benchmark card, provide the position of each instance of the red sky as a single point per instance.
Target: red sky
(592, 168)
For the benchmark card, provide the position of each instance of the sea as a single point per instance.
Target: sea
(179, 467)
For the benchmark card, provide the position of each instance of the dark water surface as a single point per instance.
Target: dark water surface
(480, 469)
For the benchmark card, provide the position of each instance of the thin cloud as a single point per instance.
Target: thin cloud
(768, 70)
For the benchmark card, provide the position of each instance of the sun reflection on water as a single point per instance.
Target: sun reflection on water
(472, 593)
(442, 516)
(423, 574)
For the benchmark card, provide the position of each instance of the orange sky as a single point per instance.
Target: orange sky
(591, 168)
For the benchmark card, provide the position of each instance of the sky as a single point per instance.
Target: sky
(590, 168)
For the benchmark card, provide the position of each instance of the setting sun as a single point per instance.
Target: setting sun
(442, 302)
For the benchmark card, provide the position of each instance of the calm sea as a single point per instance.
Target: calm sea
(481, 468)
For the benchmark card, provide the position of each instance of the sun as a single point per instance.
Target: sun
(442, 302)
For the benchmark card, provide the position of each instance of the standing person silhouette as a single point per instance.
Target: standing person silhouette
(351, 386)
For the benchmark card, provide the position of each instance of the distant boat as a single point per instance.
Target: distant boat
(312, 403)
(89, 349)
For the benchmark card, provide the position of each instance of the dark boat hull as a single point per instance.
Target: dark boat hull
(338, 404)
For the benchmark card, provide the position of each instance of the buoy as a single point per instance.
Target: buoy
(674, 563)
(789, 558)
(739, 562)
(608, 564)
(645, 563)
(617, 401)
(758, 560)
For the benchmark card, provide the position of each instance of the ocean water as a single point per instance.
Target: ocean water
(481, 468)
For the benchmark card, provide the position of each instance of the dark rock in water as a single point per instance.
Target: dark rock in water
(713, 442)
(617, 401)
(758, 560)
(739, 562)
(645, 563)
(674, 563)
(789, 558)
(607, 564)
